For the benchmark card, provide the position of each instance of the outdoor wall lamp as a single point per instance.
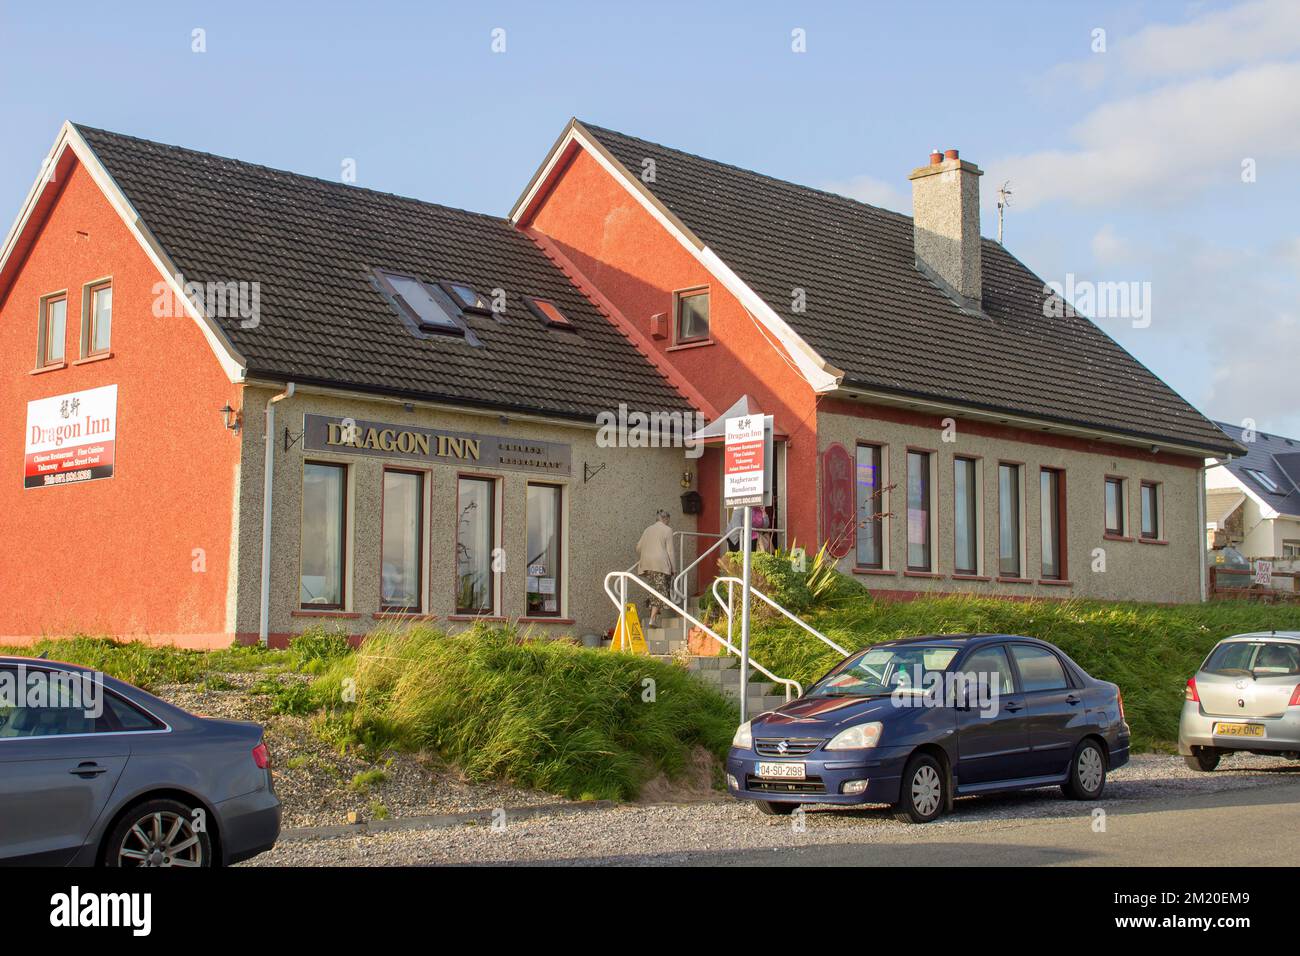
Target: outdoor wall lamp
(230, 418)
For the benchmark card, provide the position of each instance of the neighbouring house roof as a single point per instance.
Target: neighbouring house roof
(873, 314)
(1274, 457)
(312, 246)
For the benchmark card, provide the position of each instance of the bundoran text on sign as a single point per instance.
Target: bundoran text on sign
(388, 440)
(71, 438)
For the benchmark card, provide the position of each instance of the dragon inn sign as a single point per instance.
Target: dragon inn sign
(385, 440)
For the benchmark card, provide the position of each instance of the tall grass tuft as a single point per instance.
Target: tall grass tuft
(545, 714)
(146, 665)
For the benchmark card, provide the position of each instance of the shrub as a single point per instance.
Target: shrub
(545, 714)
(312, 651)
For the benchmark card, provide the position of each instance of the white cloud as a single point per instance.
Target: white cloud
(1166, 144)
(1254, 377)
(1244, 34)
(1109, 248)
(871, 190)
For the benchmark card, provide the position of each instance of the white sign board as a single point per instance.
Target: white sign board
(70, 437)
(745, 465)
(1264, 573)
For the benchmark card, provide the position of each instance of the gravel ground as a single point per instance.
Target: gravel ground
(668, 833)
(318, 786)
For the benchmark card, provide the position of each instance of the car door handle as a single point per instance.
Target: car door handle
(1071, 699)
(88, 770)
(1012, 707)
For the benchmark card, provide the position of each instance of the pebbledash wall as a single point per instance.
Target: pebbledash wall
(603, 516)
(1162, 570)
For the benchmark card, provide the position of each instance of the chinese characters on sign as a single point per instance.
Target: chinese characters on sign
(745, 461)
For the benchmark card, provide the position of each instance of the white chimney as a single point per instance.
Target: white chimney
(946, 224)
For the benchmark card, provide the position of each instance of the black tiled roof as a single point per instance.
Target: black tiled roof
(312, 246)
(1274, 456)
(871, 313)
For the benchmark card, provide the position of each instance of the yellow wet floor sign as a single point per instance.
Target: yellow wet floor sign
(634, 639)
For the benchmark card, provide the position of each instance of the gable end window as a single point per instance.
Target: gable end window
(96, 319)
(691, 316)
(52, 331)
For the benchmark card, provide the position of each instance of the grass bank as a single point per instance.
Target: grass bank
(148, 666)
(586, 724)
(1148, 650)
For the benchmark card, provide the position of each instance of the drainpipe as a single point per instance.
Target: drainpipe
(1203, 550)
(268, 469)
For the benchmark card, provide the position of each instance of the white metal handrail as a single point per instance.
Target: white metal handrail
(620, 601)
(731, 582)
(682, 581)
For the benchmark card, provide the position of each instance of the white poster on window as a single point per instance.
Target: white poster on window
(70, 438)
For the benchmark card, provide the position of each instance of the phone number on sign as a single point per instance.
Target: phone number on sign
(67, 476)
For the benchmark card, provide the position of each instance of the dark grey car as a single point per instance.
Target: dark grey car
(132, 782)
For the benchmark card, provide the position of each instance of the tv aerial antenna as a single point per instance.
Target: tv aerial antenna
(1004, 200)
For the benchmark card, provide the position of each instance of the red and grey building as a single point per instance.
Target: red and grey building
(248, 402)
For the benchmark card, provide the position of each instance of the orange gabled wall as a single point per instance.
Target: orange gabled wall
(115, 556)
(637, 264)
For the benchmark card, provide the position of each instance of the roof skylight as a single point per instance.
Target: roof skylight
(426, 309)
(1262, 478)
(549, 313)
(465, 296)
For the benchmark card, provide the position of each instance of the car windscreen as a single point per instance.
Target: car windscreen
(1254, 659)
(880, 671)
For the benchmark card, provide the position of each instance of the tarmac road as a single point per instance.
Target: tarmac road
(1258, 827)
(1154, 812)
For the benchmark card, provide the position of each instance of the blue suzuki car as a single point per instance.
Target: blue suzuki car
(916, 722)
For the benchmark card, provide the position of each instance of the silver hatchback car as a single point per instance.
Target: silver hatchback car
(1245, 697)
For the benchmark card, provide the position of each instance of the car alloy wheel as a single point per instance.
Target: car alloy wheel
(1087, 773)
(924, 791)
(159, 833)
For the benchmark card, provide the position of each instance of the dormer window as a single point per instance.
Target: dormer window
(465, 296)
(549, 313)
(426, 307)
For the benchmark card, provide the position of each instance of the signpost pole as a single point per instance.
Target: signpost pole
(745, 550)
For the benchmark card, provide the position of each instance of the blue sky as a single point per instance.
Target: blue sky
(1125, 162)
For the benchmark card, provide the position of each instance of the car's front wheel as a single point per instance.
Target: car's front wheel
(924, 792)
(159, 833)
(1204, 759)
(1087, 772)
(774, 809)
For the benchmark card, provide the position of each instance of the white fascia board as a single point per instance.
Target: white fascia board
(816, 371)
(232, 363)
